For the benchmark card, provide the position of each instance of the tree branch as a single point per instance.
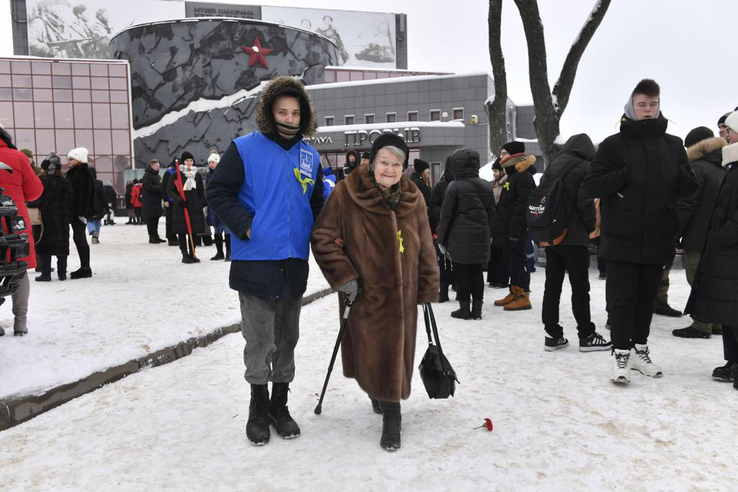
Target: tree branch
(562, 88)
(497, 109)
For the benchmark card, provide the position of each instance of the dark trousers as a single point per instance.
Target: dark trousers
(730, 343)
(632, 290)
(573, 260)
(184, 243)
(61, 265)
(517, 262)
(79, 234)
(152, 225)
(137, 211)
(469, 281)
(168, 220)
(219, 243)
(497, 271)
(601, 263)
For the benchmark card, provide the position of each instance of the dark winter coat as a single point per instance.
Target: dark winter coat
(391, 254)
(425, 190)
(151, 194)
(639, 174)
(695, 211)
(211, 218)
(54, 204)
(468, 213)
(100, 202)
(579, 203)
(512, 206)
(714, 296)
(83, 194)
(194, 201)
(165, 183)
(111, 197)
(129, 190)
(437, 196)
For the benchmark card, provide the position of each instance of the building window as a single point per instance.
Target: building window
(434, 115)
(369, 119)
(349, 120)
(458, 114)
(412, 116)
(330, 121)
(391, 117)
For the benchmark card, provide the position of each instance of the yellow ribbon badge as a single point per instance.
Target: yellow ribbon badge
(506, 185)
(399, 239)
(303, 181)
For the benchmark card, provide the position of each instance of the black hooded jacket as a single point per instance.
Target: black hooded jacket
(437, 196)
(512, 207)
(151, 196)
(639, 174)
(83, 191)
(579, 203)
(468, 212)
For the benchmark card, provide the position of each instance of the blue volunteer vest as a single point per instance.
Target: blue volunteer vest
(276, 191)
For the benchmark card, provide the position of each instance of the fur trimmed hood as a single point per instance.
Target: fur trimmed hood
(285, 86)
(520, 162)
(730, 154)
(704, 147)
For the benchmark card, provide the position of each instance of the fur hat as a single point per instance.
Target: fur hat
(721, 121)
(697, 135)
(387, 140)
(186, 155)
(285, 86)
(78, 154)
(214, 158)
(732, 121)
(514, 147)
(51, 163)
(420, 166)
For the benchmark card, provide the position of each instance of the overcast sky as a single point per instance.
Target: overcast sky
(683, 44)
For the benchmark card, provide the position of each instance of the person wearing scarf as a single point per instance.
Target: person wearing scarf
(373, 244)
(193, 201)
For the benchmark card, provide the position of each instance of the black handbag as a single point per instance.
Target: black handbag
(439, 378)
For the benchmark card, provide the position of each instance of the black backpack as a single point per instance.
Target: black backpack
(547, 215)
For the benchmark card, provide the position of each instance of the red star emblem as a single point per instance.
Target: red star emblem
(257, 53)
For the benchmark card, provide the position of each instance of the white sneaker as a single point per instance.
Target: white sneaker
(620, 366)
(641, 362)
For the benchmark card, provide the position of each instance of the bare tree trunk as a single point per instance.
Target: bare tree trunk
(497, 108)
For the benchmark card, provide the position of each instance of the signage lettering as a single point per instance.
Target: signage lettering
(358, 138)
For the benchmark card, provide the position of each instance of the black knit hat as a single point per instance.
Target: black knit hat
(515, 147)
(722, 119)
(186, 155)
(697, 135)
(420, 166)
(387, 140)
(365, 155)
(496, 165)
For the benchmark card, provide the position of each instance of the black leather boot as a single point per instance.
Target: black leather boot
(279, 414)
(463, 311)
(257, 427)
(391, 425)
(476, 312)
(443, 295)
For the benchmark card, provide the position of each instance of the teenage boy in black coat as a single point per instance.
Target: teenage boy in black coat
(639, 174)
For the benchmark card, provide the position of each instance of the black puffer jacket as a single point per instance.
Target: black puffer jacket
(639, 174)
(695, 211)
(111, 197)
(437, 196)
(579, 203)
(714, 296)
(512, 207)
(424, 188)
(54, 204)
(100, 202)
(468, 212)
(195, 201)
(83, 191)
(151, 196)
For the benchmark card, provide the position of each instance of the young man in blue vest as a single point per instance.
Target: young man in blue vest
(268, 190)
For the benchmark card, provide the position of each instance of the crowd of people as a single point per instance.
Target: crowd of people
(387, 241)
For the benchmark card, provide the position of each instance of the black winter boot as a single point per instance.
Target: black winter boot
(257, 427)
(476, 312)
(443, 296)
(391, 425)
(279, 414)
(187, 259)
(463, 311)
(376, 406)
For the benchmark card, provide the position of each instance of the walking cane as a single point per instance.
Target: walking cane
(319, 408)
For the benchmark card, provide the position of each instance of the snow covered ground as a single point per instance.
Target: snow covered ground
(140, 299)
(559, 424)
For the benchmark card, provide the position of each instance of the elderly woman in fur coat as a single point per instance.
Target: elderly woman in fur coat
(373, 244)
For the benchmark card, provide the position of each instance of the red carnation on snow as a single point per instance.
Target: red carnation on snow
(487, 424)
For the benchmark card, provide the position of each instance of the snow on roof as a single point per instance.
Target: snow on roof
(400, 125)
(395, 80)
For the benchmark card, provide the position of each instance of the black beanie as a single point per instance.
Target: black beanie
(722, 119)
(496, 164)
(365, 155)
(514, 147)
(697, 135)
(420, 166)
(387, 140)
(186, 155)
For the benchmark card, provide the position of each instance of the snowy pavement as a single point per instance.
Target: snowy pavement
(559, 424)
(140, 299)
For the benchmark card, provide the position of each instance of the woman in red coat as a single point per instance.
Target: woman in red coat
(136, 201)
(22, 185)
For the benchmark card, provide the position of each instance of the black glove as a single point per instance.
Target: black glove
(351, 289)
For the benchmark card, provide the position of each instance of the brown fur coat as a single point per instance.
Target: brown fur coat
(378, 346)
